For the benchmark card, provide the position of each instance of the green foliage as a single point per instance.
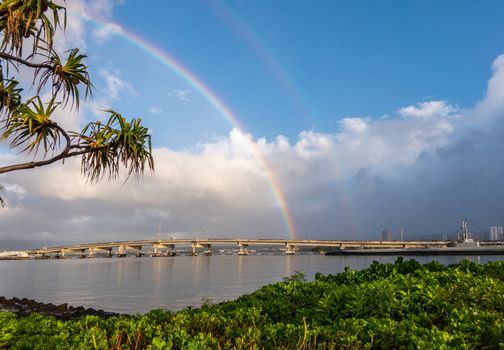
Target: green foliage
(10, 94)
(30, 126)
(23, 19)
(387, 306)
(66, 76)
(297, 276)
(118, 142)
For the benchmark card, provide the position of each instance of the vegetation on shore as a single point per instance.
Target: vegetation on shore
(400, 305)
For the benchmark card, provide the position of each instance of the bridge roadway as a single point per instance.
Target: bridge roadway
(168, 247)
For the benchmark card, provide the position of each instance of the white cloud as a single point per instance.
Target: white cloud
(75, 31)
(115, 86)
(227, 179)
(428, 109)
(492, 105)
(155, 110)
(79, 12)
(105, 32)
(181, 95)
(411, 168)
(356, 125)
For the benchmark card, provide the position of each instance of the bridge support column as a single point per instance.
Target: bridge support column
(121, 251)
(90, 253)
(290, 249)
(157, 249)
(192, 252)
(60, 254)
(83, 255)
(109, 253)
(243, 249)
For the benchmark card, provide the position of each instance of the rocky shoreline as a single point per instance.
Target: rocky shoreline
(25, 307)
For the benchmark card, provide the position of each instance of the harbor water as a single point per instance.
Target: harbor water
(137, 285)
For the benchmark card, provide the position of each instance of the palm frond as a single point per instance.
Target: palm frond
(20, 19)
(66, 77)
(30, 126)
(115, 143)
(10, 94)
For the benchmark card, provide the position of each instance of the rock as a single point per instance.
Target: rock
(62, 307)
(24, 307)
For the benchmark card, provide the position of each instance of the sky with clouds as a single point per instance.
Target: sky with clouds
(354, 117)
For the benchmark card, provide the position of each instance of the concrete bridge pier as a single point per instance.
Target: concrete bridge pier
(243, 249)
(90, 254)
(161, 249)
(60, 254)
(193, 252)
(157, 249)
(290, 249)
(121, 251)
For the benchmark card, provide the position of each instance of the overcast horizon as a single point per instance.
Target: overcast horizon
(328, 120)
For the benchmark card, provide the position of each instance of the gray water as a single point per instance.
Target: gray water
(137, 285)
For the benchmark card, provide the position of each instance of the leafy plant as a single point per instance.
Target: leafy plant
(297, 276)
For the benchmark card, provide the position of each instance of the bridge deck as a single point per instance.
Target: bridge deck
(139, 244)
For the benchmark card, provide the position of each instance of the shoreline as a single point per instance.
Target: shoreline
(25, 307)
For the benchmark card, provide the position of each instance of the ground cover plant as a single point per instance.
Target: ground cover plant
(401, 305)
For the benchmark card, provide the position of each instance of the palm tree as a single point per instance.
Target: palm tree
(2, 202)
(26, 122)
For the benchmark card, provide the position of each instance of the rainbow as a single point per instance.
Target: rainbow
(170, 62)
(249, 37)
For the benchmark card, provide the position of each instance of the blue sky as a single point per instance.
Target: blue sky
(357, 115)
(340, 59)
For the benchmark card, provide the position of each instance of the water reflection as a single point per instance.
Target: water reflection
(133, 285)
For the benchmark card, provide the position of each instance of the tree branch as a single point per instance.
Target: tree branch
(30, 165)
(25, 62)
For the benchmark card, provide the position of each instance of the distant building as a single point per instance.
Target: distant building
(386, 235)
(401, 233)
(463, 233)
(496, 233)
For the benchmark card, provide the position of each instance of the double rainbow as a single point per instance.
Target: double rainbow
(183, 72)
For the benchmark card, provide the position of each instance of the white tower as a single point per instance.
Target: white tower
(464, 235)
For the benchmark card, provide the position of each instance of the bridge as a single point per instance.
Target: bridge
(172, 247)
